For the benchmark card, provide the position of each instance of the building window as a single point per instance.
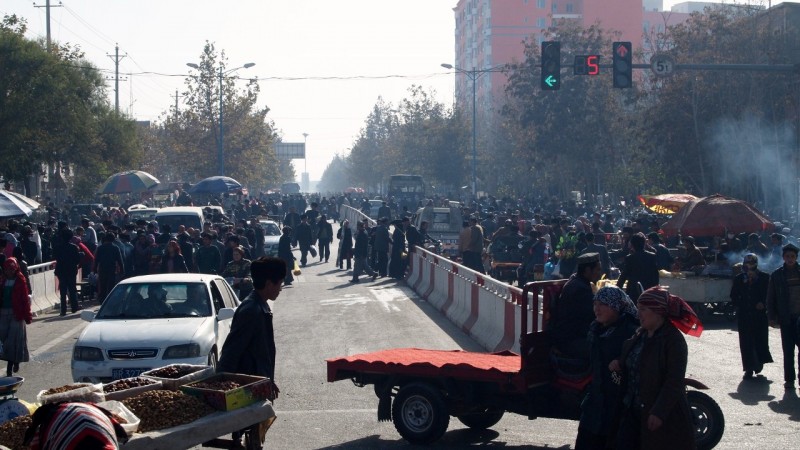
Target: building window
(540, 22)
(554, 7)
(569, 7)
(540, 4)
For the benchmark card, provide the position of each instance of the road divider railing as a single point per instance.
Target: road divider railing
(353, 216)
(486, 309)
(44, 284)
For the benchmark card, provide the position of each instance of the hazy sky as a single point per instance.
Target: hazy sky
(382, 46)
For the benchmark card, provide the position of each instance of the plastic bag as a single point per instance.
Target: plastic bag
(313, 251)
(86, 393)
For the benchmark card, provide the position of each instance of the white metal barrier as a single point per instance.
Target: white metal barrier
(353, 216)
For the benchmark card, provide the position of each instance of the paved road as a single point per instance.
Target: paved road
(323, 316)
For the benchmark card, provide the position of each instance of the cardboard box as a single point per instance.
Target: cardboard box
(252, 389)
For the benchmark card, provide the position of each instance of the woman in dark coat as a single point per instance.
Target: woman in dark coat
(749, 295)
(396, 265)
(616, 320)
(655, 412)
(345, 236)
(173, 261)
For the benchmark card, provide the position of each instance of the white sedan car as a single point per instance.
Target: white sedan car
(152, 321)
(272, 234)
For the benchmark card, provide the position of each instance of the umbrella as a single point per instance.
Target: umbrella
(13, 204)
(130, 181)
(665, 203)
(215, 185)
(716, 215)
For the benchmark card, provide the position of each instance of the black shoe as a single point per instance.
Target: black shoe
(789, 385)
(62, 314)
(354, 281)
(748, 375)
(15, 369)
(374, 277)
(287, 284)
(758, 369)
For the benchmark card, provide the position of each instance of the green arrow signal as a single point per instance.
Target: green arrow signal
(550, 80)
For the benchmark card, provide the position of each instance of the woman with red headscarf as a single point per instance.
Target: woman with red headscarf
(15, 314)
(655, 412)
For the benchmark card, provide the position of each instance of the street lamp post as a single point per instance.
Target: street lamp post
(221, 140)
(473, 76)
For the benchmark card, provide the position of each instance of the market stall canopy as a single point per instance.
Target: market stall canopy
(216, 185)
(716, 215)
(665, 203)
(127, 182)
(13, 204)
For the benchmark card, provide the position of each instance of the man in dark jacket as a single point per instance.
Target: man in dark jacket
(360, 253)
(107, 264)
(592, 247)
(285, 253)
(640, 267)
(382, 242)
(783, 310)
(250, 345)
(573, 312)
(67, 258)
(663, 258)
(207, 259)
(292, 220)
(304, 238)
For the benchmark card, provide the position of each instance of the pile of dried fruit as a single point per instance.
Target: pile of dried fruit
(128, 383)
(165, 409)
(65, 388)
(12, 432)
(172, 372)
(217, 385)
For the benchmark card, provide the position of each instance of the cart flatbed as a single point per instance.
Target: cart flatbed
(205, 429)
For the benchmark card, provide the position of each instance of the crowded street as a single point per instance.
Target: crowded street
(323, 316)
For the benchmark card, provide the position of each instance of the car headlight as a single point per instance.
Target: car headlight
(182, 351)
(87, 354)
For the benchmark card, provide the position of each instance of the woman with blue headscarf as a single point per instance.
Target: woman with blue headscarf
(615, 321)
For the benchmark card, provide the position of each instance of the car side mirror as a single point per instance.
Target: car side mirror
(88, 315)
(225, 313)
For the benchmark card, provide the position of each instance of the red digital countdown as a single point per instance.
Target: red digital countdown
(586, 65)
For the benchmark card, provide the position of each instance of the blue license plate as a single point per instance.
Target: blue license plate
(126, 373)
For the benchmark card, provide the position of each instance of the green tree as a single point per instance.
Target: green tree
(336, 177)
(191, 136)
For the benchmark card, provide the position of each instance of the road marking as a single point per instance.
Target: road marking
(57, 341)
(278, 412)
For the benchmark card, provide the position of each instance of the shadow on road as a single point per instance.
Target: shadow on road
(753, 392)
(789, 405)
(451, 439)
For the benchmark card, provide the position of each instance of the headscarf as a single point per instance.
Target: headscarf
(11, 263)
(616, 299)
(674, 308)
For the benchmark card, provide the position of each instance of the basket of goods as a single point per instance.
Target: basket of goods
(176, 375)
(124, 416)
(129, 387)
(75, 392)
(162, 409)
(12, 433)
(229, 391)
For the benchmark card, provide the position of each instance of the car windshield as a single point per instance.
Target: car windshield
(156, 300)
(271, 229)
(176, 220)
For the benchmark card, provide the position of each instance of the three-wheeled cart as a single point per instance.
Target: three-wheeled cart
(419, 390)
(705, 294)
(254, 419)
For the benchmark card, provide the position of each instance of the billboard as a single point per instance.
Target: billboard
(290, 150)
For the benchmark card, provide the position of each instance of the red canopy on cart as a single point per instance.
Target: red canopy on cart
(716, 215)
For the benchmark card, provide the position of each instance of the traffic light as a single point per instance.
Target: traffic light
(551, 65)
(623, 65)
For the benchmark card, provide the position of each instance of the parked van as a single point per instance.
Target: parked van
(174, 216)
(444, 225)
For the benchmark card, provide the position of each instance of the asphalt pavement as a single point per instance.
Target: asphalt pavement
(323, 316)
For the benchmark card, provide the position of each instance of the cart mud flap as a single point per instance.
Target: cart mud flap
(384, 392)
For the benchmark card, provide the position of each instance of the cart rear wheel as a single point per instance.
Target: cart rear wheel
(709, 423)
(481, 420)
(419, 413)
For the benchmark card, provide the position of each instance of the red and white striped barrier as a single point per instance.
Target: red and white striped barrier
(486, 309)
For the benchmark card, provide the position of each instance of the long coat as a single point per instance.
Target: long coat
(640, 267)
(778, 307)
(603, 394)
(250, 345)
(662, 390)
(752, 322)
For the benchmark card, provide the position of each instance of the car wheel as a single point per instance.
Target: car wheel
(419, 413)
(212, 359)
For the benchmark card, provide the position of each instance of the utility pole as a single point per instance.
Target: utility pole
(116, 58)
(176, 103)
(47, 7)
